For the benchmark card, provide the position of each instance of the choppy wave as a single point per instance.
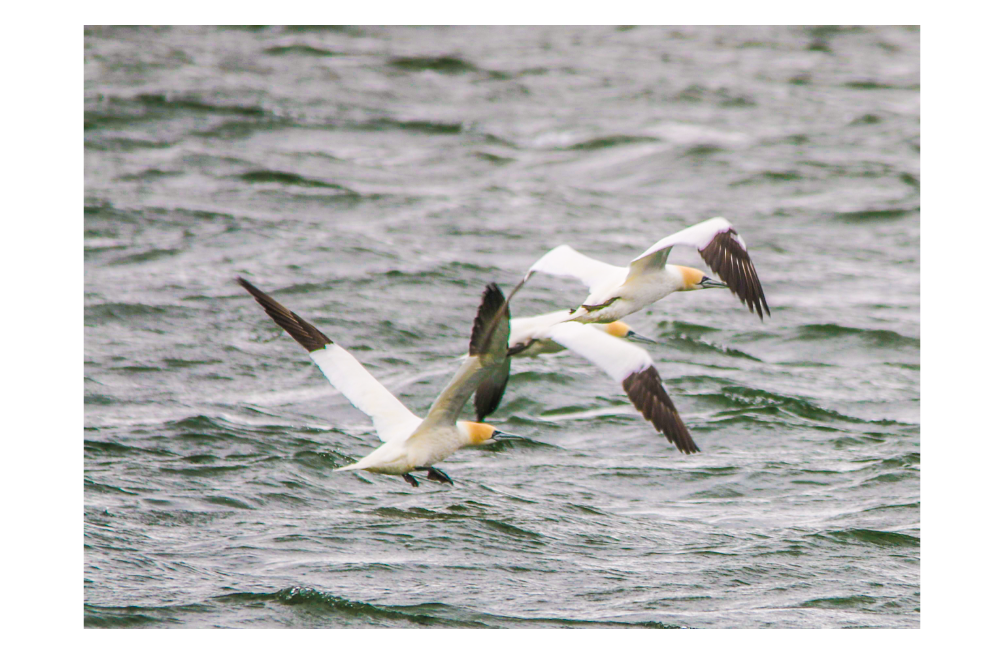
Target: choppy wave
(374, 179)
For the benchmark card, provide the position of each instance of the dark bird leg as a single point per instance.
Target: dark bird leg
(411, 480)
(597, 307)
(436, 474)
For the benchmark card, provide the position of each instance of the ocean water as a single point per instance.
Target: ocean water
(374, 180)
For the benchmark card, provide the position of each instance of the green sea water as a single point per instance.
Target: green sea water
(374, 180)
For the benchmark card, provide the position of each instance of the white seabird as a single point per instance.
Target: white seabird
(615, 292)
(629, 365)
(410, 443)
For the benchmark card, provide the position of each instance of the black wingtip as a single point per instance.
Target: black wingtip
(645, 390)
(302, 331)
(492, 302)
(494, 310)
(731, 262)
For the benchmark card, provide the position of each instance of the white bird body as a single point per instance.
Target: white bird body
(439, 435)
(616, 292)
(624, 295)
(425, 446)
(410, 443)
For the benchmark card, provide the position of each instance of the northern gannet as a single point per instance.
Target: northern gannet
(615, 292)
(629, 365)
(410, 443)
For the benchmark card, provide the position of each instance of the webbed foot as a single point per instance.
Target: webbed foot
(411, 480)
(436, 474)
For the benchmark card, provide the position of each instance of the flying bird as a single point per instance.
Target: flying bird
(616, 292)
(410, 443)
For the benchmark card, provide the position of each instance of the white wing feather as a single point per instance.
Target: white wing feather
(391, 419)
(613, 355)
(632, 367)
(532, 327)
(563, 261)
(697, 236)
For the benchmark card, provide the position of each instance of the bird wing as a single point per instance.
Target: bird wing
(451, 400)
(487, 353)
(563, 261)
(391, 419)
(524, 330)
(489, 393)
(633, 368)
(722, 249)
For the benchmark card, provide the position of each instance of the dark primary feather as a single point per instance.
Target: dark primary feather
(487, 319)
(732, 263)
(489, 343)
(650, 398)
(305, 334)
(490, 391)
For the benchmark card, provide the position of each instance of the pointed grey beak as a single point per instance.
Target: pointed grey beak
(707, 282)
(635, 336)
(502, 436)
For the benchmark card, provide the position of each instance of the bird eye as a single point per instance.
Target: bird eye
(705, 279)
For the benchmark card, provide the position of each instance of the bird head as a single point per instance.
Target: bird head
(481, 433)
(621, 329)
(695, 280)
